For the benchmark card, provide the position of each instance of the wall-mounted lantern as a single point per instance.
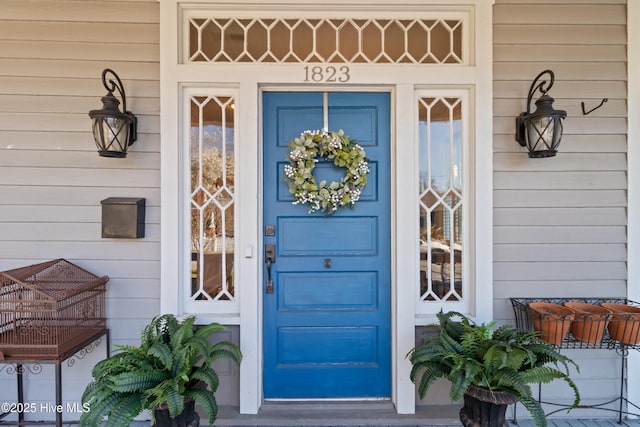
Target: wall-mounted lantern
(540, 131)
(113, 130)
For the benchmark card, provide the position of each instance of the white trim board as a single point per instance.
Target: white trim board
(633, 179)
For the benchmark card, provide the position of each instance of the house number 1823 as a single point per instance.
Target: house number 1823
(327, 74)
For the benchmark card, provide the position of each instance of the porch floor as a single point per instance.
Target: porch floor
(380, 414)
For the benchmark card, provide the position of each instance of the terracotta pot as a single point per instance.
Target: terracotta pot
(484, 408)
(590, 321)
(551, 320)
(625, 323)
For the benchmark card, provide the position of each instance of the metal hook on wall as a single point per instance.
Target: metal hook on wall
(593, 109)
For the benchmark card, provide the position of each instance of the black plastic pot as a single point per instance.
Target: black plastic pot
(188, 418)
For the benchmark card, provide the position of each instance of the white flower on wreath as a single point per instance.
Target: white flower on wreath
(305, 152)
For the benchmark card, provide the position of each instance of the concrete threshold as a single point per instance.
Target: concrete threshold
(376, 413)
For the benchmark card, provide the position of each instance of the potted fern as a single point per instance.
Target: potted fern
(167, 374)
(490, 368)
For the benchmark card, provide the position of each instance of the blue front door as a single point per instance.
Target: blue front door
(327, 321)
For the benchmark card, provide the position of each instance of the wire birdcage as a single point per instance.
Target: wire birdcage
(48, 309)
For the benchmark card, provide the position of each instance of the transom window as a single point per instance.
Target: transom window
(317, 40)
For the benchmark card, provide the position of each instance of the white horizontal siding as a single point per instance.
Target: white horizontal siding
(65, 232)
(76, 193)
(564, 252)
(561, 216)
(63, 122)
(61, 214)
(133, 11)
(52, 53)
(567, 181)
(560, 223)
(560, 288)
(580, 34)
(561, 13)
(92, 31)
(79, 50)
(598, 234)
(559, 198)
(35, 140)
(85, 87)
(127, 70)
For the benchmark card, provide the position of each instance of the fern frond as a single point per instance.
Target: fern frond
(174, 401)
(207, 330)
(510, 381)
(134, 381)
(208, 376)
(536, 411)
(162, 352)
(125, 411)
(199, 346)
(452, 328)
(231, 353)
(428, 373)
(425, 351)
(167, 394)
(183, 333)
(100, 407)
(542, 374)
(450, 344)
(206, 399)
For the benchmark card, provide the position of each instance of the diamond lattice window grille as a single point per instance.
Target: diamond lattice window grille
(348, 40)
(440, 199)
(211, 148)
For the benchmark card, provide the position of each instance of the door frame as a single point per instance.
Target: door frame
(259, 325)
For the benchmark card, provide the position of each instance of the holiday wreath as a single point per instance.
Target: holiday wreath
(306, 150)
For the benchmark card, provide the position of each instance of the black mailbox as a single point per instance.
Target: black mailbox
(123, 217)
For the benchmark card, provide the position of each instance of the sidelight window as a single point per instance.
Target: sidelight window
(211, 197)
(442, 198)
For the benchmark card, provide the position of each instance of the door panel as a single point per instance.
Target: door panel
(327, 322)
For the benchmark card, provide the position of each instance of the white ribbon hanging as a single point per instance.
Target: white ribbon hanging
(325, 110)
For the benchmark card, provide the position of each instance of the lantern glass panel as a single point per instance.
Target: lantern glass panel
(112, 132)
(540, 132)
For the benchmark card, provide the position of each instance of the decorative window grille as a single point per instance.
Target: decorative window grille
(211, 197)
(283, 40)
(441, 198)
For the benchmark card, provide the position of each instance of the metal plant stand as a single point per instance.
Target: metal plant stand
(526, 319)
(34, 366)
